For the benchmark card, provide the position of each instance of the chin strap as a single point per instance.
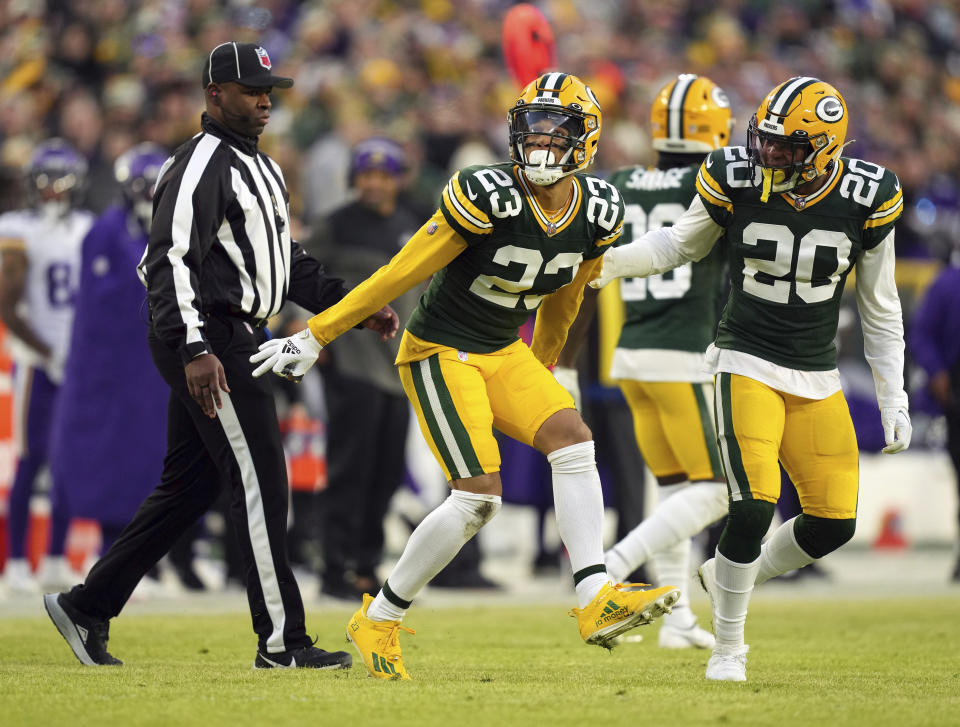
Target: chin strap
(767, 184)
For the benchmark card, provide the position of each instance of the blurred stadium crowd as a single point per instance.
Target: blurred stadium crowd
(107, 73)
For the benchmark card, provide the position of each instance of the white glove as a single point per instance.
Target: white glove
(567, 378)
(634, 260)
(289, 357)
(607, 272)
(897, 429)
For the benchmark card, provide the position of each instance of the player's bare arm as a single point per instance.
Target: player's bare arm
(13, 274)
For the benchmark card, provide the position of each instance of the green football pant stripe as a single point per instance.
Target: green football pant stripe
(448, 432)
(732, 459)
(709, 430)
(433, 425)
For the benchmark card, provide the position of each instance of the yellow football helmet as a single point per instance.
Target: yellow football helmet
(690, 115)
(807, 115)
(554, 127)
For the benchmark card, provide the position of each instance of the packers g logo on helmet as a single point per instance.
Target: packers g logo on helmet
(810, 117)
(554, 127)
(691, 114)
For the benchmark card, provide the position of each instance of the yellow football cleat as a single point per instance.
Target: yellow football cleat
(378, 643)
(620, 607)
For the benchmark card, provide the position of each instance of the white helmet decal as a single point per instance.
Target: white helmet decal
(829, 109)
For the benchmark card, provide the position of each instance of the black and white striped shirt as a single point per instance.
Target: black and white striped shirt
(220, 242)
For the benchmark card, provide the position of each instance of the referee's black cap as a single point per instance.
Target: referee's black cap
(246, 63)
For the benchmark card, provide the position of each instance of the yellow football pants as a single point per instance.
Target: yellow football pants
(459, 397)
(674, 425)
(813, 438)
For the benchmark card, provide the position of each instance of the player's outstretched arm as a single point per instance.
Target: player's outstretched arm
(658, 251)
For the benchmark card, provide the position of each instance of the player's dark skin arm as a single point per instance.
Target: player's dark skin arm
(579, 329)
(13, 274)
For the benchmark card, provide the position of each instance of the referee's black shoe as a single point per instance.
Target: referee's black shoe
(306, 657)
(86, 636)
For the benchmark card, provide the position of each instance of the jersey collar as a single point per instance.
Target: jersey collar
(801, 203)
(551, 226)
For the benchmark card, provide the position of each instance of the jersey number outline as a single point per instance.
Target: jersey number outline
(494, 181)
(861, 174)
(636, 222)
(512, 293)
(776, 289)
(601, 211)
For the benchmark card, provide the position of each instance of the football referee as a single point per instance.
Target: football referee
(219, 263)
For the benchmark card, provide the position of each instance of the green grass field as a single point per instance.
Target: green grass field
(867, 662)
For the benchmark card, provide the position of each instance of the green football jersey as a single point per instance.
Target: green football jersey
(789, 257)
(515, 254)
(676, 310)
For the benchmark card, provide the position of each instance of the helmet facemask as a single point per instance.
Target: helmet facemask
(548, 142)
(807, 119)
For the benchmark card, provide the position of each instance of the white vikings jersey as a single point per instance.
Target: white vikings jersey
(52, 246)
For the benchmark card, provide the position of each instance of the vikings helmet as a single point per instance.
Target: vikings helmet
(57, 174)
(137, 171)
(808, 115)
(559, 116)
(690, 115)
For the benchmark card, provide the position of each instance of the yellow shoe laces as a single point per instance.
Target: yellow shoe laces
(389, 643)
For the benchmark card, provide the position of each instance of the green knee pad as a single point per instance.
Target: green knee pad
(747, 523)
(819, 535)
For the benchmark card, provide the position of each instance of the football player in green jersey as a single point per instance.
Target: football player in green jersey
(796, 216)
(508, 239)
(670, 320)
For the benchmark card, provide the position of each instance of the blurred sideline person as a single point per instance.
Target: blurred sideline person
(508, 239)
(368, 414)
(39, 272)
(220, 262)
(796, 216)
(935, 347)
(670, 320)
(107, 438)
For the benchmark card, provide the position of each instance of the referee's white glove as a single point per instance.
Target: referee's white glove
(568, 378)
(897, 429)
(289, 357)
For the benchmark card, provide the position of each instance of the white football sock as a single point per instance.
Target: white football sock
(677, 518)
(672, 568)
(578, 502)
(734, 586)
(432, 545)
(781, 553)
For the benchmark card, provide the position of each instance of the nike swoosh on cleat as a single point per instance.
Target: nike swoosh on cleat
(278, 665)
